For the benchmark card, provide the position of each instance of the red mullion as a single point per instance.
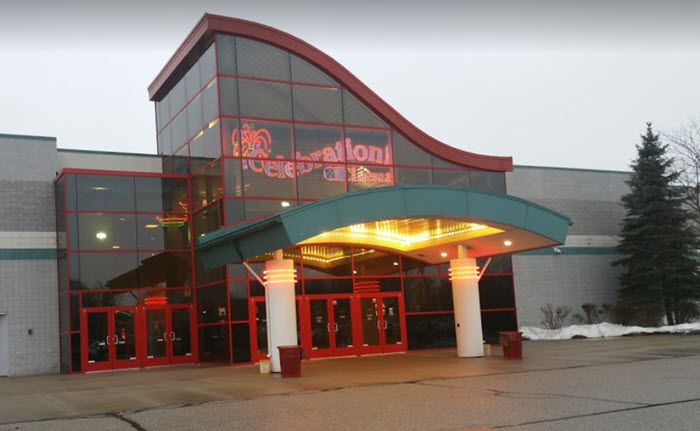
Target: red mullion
(279, 81)
(186, 103)
(131, 250)
(120, 173)
(388, 129)
(214, 283)
(207, 166)
(496, 310)
(123, 212)
(428, 313)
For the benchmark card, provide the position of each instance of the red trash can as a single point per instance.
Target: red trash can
(290, 361)
(512, 342)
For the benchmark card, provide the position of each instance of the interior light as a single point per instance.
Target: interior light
(354, 272)
(99, 188)
(151, 226)
(507, 243)
(443, 254)
(115, 246)
(101, 235)
(396, 264)
(285, 204)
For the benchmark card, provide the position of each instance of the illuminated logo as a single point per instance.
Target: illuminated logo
(256, 145)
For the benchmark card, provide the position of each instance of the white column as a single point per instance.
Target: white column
(467, 310)
(281, 307)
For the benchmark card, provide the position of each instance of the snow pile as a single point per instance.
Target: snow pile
(603, 330)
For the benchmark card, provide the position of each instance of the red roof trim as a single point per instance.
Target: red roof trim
(216, 23)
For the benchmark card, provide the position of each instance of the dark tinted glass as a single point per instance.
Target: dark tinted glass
(205, 276)
(74, 272)
(328, 180)
(206, 186)
(367, 146)
(324, 261)
(195, 122)
(317, 104)
(228, 93)
(207, 66)
(427, 294)
(302, 71)
(99, 231)
(115, 270)
(498, 265)
(357, 114)
(406, 153)
(494, 322)
(361, 177)
(412, 176)
(325, 286)
(71, 198)
(210, 102)
(107, 299)
(178, 130)
(177, 98)
(233, 180)
(102, 192)
(230, 139)
(430, 331)
(415, 267)
(214, 343)
(493, 181)
(193, 82)
(205, 147)
(235, 211)
(262, 140)
(238, 292)
(265, 99)
(226, 52)
(163, 232)
(372, 262)
(165, 142)
(62, 274)
(256, 208)
(496, 292)
(73, 231)
(165, 269)
(75, 311)
(75, 352)
(318, 144)
(61, 234)
(451, 177)
(211, 304)
(65, 353)
(161, 194)
(180, 162)
(206, 220)
(63, 314)
(261, 60)
(240, 339)
(387, 284)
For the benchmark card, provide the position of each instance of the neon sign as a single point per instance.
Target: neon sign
(256, 145)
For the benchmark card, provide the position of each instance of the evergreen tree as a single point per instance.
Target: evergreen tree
(658, 244)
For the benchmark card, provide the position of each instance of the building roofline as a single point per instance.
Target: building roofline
(113, 153)
(28, 137)
(558, 168)
(209, 24)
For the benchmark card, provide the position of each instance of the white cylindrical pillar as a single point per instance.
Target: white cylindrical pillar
(467, 310)
(281, 309)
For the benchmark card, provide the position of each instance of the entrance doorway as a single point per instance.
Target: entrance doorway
(169, 334)
(330, 326)
(381, 329)
(109, 338)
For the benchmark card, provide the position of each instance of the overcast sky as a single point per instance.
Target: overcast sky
(551, 83)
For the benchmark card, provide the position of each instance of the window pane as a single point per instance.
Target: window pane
(205, 147)
(495, 322)
(262, 140)
(430, 331)
(180, 162)
(107, 299)
(214, 344)
(233, 180)
(206, 186)
(240, 337)
(228, 89)
(71, 192)
(317, 104)
(496, 291)
(165, 269)
(329, 180)
(357, 114)
(498, 265)
(235, 211)
(210, 102)
(177, 98)
(192, 81)
(367, 146)
(178, 129)
(163, 232)
(97, 231)
(330, 285)
(303, 71)
(368, 176)
(372, 262)
(493, 181)
(406, 153)
(261, 60)
(238, 292)
(231, 136)
(61, 234)
(318, 143)
(207, 276)
(102, 192)
(165, 142)
(161, 194)
(62, 274)
(207, 220)
(427, 294)
(226, 52)
(114, 270)
(256, 208)
(211, 304)
(194, 116)
(451, 177)
(415, 267)
(324, 261)
(207, 66)
(265, 99)
(412, 176)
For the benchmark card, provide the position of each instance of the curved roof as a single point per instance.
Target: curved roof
(200, 36)
(494, 218)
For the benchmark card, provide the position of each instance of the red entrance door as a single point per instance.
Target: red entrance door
(109, 338)
(380, 329)
(330, 328)
(169, 334)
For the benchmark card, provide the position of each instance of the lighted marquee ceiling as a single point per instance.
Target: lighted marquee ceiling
(406, 234)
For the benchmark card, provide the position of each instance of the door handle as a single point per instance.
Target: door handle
(107, 340)
(328, 326)
(379, 325)
(172, 336)
(116, 339)
(336, 327)
(385, 324)
(165, 336)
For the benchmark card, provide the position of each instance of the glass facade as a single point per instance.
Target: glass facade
(250, 130)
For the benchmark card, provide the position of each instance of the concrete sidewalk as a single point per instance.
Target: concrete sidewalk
(55, 396)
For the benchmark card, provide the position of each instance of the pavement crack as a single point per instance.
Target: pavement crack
(539, 395)
(135, 425)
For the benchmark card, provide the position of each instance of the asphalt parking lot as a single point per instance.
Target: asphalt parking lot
(629, 383)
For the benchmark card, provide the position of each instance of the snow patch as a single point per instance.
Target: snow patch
(602, 330)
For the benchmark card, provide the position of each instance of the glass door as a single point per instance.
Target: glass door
(123, 329)
(381, 317)
(169, 334)
(370, 326)
(156, 337)
(392, 337)
(320, 328)
(96, 339)
(181, 334)
(342, 327)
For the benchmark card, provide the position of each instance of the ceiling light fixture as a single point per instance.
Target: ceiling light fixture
(507, 243)
(101, 235)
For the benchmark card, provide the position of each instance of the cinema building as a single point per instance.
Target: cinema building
(288, 204)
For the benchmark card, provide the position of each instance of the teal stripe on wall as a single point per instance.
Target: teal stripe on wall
(570, 251)
(27, 253)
